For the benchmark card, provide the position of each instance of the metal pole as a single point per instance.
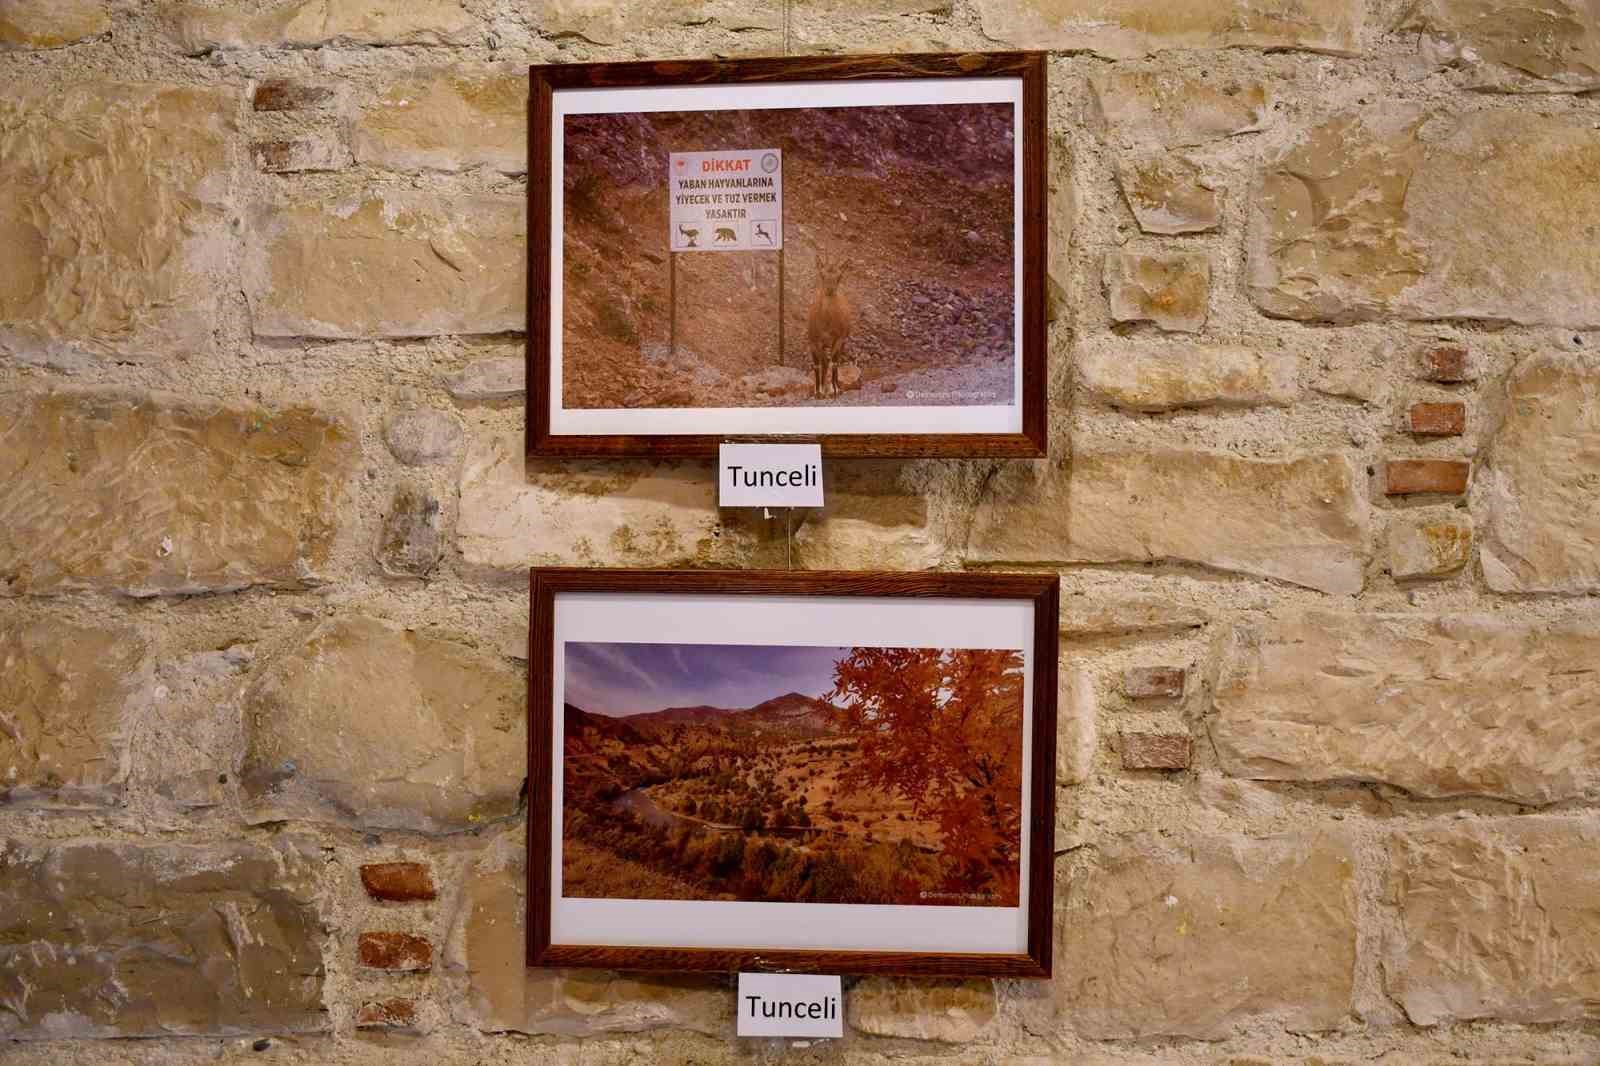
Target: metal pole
(781, 360)
(672, 304)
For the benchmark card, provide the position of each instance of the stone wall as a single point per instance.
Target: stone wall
(1324, 496)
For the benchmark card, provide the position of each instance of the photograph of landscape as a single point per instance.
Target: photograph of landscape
(792, 774)
(899, 262)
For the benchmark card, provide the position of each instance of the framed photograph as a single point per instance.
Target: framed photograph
(799, 771)
(848, 250)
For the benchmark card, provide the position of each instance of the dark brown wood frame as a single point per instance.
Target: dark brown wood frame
(1042, 590)
(546, 80)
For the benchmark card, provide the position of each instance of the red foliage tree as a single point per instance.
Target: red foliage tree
(942, 727)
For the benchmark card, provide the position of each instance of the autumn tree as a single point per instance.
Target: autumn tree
(942, 728)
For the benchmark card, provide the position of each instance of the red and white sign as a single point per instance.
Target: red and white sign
(725, 201)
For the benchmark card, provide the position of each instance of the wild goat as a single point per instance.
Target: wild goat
(829, 323)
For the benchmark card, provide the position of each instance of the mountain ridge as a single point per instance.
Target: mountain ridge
(792, 710)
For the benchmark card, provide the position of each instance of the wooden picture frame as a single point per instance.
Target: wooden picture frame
(901, 317)
(648, 615)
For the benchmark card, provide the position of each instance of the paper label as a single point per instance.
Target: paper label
(790, 1004)
(770, 475)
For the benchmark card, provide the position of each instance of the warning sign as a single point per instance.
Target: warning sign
(726, 201)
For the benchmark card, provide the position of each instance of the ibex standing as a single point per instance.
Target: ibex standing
(829, 323)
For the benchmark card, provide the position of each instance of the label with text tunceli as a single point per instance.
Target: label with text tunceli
(769, 475)
(790, 1004)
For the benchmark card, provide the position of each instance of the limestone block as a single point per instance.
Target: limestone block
(1162, 377)
(489, 379)
(1198, 936)
(1498, 918)
(367, 724)
(1429, 546)
(113, 230)
(1436, 705)
(1381, 214)
(1301, 520)
(390, 264)
(950, 1012)
(1352, 374)
(411, 542)
(420, 436)
(876, 518)
(1160, 107)
(589, 514)
(622, 20)
(65, 695)
(1170, 289)
(30, 24)
(1168, 194)
(450, 119)
(130, 940)
(1062, 212)
(1540, 489)
(1125, 29)
(314, 23)
(147, 495)
(870, 25)
(1513, 45)
(488, 944)
(1134, 612)
(186, 744)
(1077, 731)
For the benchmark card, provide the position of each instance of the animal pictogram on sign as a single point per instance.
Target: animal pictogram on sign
(725, 235)
(761, 232)
(689, 235)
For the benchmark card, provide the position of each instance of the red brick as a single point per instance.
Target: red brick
(1155, 751)
(273, 155)
(387, 1014)
(1447, 364)
(395, 951)
(1153, 682)
(286, 94)
(1437, 419)
(1407, 477)
(399, 882)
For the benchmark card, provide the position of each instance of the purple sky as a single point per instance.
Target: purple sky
(624, 679)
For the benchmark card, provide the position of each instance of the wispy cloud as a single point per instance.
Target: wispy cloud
(633, 678)
(617, 659)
